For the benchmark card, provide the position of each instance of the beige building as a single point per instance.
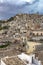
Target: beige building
(37, 32)
(31, 46)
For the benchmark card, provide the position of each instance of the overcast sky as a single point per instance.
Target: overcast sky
(10, 8)
(16, 1)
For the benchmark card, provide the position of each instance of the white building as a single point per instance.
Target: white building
(30, 59)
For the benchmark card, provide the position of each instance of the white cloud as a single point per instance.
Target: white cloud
(16, 2)
(21, 1)
(2, 1)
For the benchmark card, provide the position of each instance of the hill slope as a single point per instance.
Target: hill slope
(14, 27)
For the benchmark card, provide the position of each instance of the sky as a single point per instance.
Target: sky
(16, 1)
(9, 8)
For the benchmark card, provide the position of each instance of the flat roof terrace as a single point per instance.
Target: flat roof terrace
(13, 61)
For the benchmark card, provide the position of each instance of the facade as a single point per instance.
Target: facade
(30, 59)
(31, 46)
(36, 34)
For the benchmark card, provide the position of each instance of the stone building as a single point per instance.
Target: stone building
(31, 46)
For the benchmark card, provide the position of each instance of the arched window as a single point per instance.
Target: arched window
(41, 34)
(37, 34)
(33, 34)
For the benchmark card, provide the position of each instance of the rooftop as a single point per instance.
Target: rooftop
(22, 59)
(13, 61)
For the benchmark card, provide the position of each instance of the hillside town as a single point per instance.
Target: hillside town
(22, 33)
